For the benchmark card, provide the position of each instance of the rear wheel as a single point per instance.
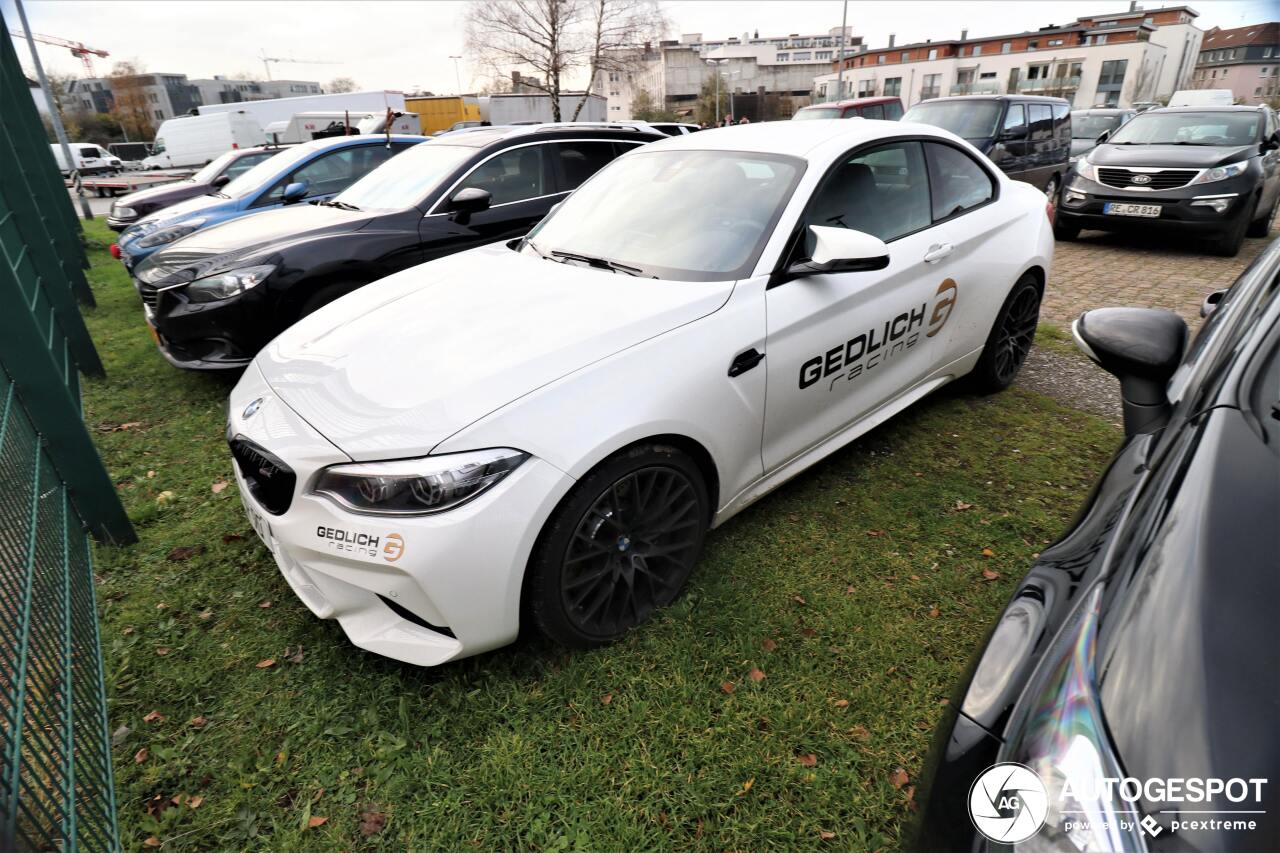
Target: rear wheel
(619, 547)
(1010, 339)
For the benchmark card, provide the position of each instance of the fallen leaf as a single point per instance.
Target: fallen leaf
(826, 834)
(842, 703)
(727, 686)
(206, 615)
(127, 630)
(162, 651)
(264, 605)
(153, 717)
(809, 632)
(120, 735)
(291, 656)
(195, 802)
(141, 755)
(987, 552)
(606, 699)
(898, 777)
(875, 532)
(935, 613)
(185, 552)
(798, 599)
(162, 606)
(151, 841)
(228, 538)
(263, 664)
(756, 674)
(317, 821)
(808, 760)
(860, 733)
(990, 575)
(199, 722)
(768, 645)
(961, 506)
(746, 786)
(217, 487)
(164, 497)
(151, 475)
(371, 821)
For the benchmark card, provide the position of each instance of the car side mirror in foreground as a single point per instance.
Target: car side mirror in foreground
(295, 191)
(1272, 141)
(221, 181)
(1211, 302)
(1019, 132)
(841, 250)
(467, 201)
(1142, 348)
(1103, 137)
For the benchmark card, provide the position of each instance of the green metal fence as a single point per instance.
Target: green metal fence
(55, 769)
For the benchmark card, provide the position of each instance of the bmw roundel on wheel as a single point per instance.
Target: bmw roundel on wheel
(547, 428)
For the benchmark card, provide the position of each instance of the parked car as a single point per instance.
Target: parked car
(1088, 125)
(89, 159)
(1206, 171)
(456, 193)
(889, 109)
(573, 410)
(313, 171)
(1142, 644)
(126, 210)
(1202, 98)
(1027, 137)
(199, 140)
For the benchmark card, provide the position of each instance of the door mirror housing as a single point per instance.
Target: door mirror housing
(1103, 137)
(221, 181)
(841, 250)
(1211, 302)
(295, 191)
(1141, 347)
(1271, 142)
(1019, 132)
(467, 201)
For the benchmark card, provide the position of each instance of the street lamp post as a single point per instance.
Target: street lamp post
(457, 78)
(844, 19)
(715, 67)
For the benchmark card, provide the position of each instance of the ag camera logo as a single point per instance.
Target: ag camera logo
(1008, 803)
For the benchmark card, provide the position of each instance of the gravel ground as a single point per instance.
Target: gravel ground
(1074, 381)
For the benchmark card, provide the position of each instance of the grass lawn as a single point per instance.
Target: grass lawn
(782, 698)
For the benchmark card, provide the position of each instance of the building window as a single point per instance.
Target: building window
(1102, 39)
(783, 57)
(933, 53)
(1006, 47)
(1033, 44)
(893, 86)
(1263, 72)
(1266, 53)
(159, 113)
(822, 54)
(880, 59)
(906, 57)
(1112, 73)
(1055, 42)
(802, 57)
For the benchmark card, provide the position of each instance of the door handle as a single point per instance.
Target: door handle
(937, 252)
(744, 361)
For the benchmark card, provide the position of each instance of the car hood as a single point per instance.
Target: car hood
(271, 226)
(1188, 661)
(173, 214)
(1172, 156)
(164, 195)
(398, 366)
(1081, 146)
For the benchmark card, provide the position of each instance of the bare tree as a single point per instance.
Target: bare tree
(340, 84)
(130, 105)
(539, 35)
(619, 29)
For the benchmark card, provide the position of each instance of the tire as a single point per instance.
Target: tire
(1010, 339)
(1262, 227)
(1064, 231)
(619, 547)
(1229, 243)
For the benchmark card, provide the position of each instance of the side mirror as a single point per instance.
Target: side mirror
(1142, 348)
(1272, 141)
(295, 191)
(1019, 132)
(221, 181)
(468, 201)
(841, 250)
(1211, 302)
(1103, 137)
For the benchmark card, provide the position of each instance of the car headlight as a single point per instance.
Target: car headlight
(1062, 737)
(1085, 169)
(224, 285)
(417, 486)
(122, 212)
(1221, 173)
(168, 235)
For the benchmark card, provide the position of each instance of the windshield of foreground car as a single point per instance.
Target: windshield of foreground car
(268, 170)
(213, 169)
(405, 180)
(1091, 127)
(682, 215)
(824, 112)
(966, 119)
(1207, 128)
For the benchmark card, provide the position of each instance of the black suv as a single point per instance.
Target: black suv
(1142, 645)
(1027, 137)
(219, 295)
(1210, 171)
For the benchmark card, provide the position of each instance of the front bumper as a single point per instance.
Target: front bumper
(1177, 208)
(198, 346)
(423, 590)
(119, 225)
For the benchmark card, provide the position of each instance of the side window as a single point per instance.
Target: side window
(332, 172)
(89, 151)
(893, 110)
(883, 192)
(580, 160)
(246, 163)
(1015, 117)
(513, 175)
(958, 182)
(873, 111)
(1041, 121)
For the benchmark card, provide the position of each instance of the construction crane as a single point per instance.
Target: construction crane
(267, 60)
(78, 49)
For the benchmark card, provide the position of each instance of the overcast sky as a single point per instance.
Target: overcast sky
(406, 45)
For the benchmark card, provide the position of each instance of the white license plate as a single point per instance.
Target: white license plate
(1115, 208)
(260, 525)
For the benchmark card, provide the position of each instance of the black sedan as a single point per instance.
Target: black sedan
(215, 298)
(128, 209)
(1136, 670)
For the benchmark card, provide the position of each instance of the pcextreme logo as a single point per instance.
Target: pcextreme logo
(358, 543)
(871, 348)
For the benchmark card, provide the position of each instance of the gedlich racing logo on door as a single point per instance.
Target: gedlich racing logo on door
(867, 350)
(359, 544)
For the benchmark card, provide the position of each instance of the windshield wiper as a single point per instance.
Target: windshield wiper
(598, 263)
(341, 205)
(217, 194)
(537, 251)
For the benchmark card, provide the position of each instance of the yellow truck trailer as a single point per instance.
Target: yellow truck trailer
(442, 112)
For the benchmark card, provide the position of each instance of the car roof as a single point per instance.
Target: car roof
(1234, 108)
(1102, 110)
(804, 139)
(355, 139)
(854, 102)
(551, 130)
(1042, 99)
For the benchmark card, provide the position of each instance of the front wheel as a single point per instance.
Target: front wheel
(1010, 339)
(1261, 227)
(619, 547)
(1229, 242)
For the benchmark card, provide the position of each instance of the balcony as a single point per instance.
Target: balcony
(979, 87)
(1052, 85)
(930, 94)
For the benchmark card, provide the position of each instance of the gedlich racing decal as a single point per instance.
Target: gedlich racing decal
(872, 348)
(356, 543)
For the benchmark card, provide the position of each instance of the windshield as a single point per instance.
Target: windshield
(684, 215)
(157, 147)
(1091, 127)
(212, 170)
(1207, 128)
(966, 119)
(266, 171)
(405, 180)
(823, 112)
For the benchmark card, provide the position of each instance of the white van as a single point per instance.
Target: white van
(196, 140)
(1202, 98)
(90, 159)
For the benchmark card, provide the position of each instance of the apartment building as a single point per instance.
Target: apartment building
(1245, 60)
(164, 95)
(227, 90)
(673, 71)
(1101, 60)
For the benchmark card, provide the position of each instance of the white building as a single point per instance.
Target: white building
(226, 90)
(1111, 60)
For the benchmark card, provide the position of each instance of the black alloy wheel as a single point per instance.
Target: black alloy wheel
(619, 547)
(1010, 339)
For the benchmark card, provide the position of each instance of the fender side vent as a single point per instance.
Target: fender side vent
(410, 616)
